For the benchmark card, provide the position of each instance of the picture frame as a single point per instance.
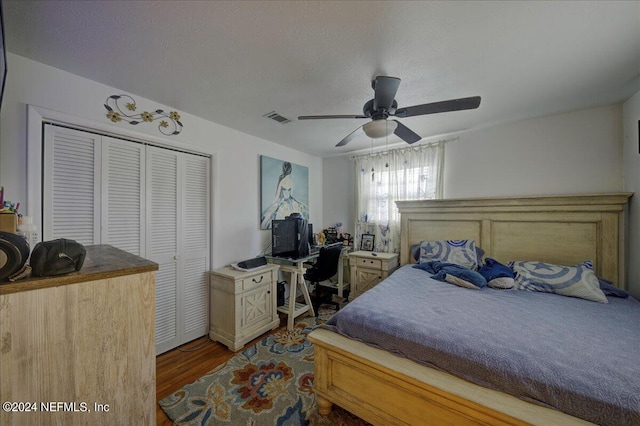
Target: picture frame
(367, 242)
(284, 189)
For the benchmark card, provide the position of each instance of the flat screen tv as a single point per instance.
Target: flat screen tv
(3, 57)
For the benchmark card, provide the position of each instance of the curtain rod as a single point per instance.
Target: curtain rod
(408, 148)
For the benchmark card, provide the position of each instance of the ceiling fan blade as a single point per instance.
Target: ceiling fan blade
(435, 107)
(386, 89)
(350, 136)
(319, 117)
(405, 133)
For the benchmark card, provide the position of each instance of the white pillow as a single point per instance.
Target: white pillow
(573, 281)
(460, 252)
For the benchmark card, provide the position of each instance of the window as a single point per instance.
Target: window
(383, 178)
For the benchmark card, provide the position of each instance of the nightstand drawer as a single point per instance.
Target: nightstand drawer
(256, 280)
(368, 263)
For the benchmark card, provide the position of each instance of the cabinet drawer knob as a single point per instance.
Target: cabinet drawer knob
(258, 281)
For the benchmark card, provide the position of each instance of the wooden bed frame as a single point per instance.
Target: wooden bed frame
(382, 388)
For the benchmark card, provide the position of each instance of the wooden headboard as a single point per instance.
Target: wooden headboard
(564, 229)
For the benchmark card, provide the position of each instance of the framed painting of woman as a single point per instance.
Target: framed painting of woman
(284, 189)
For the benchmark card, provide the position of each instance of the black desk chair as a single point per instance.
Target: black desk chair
(325, 267)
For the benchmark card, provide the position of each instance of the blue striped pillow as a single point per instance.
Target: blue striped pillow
(460, 252)
(573, 281)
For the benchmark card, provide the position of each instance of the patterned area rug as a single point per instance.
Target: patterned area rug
(269, 383)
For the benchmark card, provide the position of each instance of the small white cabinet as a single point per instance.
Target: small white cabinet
(243, 305)
(368, 269)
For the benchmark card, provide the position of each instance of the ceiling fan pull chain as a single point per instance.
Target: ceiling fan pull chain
(372, 171)
(386, 143)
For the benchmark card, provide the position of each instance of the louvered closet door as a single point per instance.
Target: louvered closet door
(178, 240)
(150, 201)
(71, 187)
(163, 216)
(195, 244)
(123, 195)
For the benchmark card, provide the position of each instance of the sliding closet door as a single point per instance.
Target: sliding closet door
(71, 187)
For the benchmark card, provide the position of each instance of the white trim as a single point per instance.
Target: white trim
(37, 115)
(213, 208)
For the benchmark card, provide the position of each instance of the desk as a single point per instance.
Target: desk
(296, 268)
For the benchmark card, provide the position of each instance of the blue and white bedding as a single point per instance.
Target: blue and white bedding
(580, 357)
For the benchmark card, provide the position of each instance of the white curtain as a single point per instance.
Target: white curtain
(385, 177)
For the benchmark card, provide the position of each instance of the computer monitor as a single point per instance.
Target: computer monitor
(289, 238)
(284, 237)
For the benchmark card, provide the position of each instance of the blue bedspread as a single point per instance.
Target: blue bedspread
(578, 356)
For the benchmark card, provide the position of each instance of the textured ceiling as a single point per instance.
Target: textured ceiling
(232, 62)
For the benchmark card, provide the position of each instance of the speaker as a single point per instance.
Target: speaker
(280, 293)
(14, 253)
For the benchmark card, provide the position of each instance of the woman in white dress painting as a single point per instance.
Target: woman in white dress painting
(284, 203)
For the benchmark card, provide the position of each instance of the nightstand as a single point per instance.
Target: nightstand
(368, 269)
(243, 305)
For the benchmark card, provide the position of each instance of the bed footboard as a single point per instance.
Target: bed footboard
(364, 381)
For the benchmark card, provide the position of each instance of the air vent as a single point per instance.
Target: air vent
(276, 117)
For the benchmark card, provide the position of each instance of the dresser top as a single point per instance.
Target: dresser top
(102, 261)
(373, 255)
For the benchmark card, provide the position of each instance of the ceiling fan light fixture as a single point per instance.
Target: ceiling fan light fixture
(379, 128)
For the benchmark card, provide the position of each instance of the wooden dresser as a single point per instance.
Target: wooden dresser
(80, 348)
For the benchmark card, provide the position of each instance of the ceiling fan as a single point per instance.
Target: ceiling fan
(383, 105)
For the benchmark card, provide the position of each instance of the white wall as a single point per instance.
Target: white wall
(631, 163)
(338, 193)
(236, 234)
(578, 152)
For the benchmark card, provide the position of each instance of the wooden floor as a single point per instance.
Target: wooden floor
(175, 368)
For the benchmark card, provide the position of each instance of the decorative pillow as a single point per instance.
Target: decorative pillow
(415, 253)
(573, 281)
(607, 286)
(460, 252)
(497, 275)
(441, 271)
(459, 282)
(609, 289)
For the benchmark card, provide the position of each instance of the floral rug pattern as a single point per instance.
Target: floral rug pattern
(268, 383)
